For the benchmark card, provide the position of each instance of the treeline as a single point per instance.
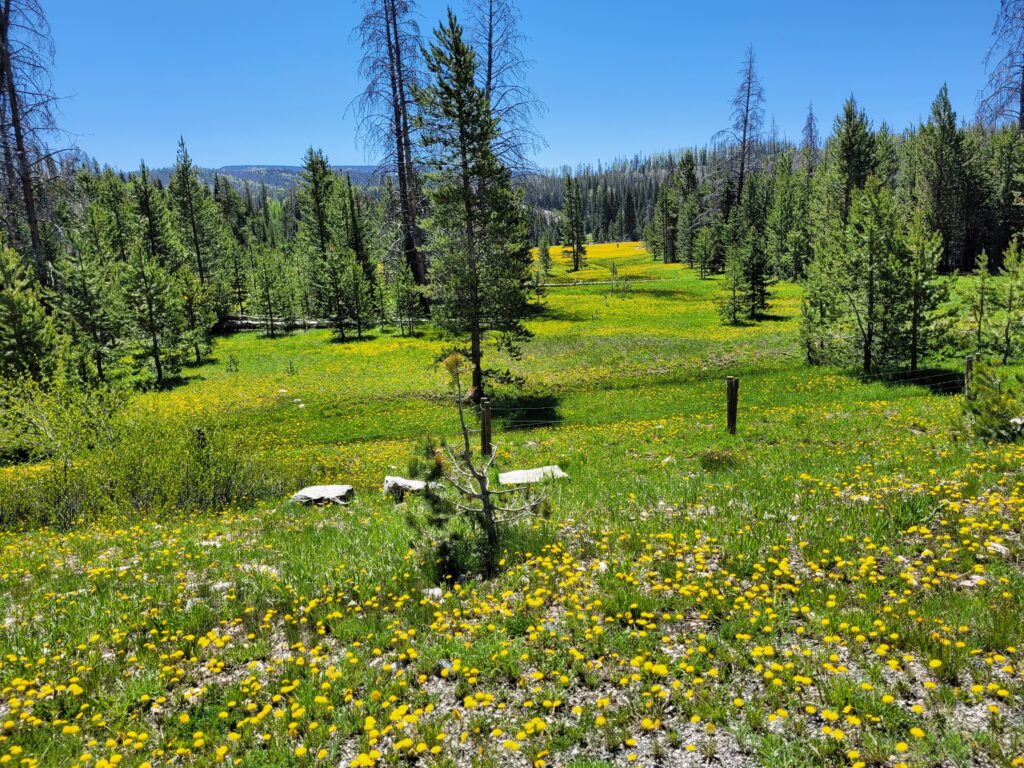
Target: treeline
(617, 200)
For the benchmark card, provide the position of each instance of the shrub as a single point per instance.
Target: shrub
(992, 408)
(93, 454)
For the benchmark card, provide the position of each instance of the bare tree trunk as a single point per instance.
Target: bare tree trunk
(21, 150)
(1020, 101)
(403, 144)
(475, 350)
(488, 84)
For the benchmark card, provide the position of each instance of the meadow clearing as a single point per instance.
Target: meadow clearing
(837, 584)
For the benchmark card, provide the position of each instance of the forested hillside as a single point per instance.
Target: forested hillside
(280, 179)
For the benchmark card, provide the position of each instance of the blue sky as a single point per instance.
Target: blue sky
(258, 81)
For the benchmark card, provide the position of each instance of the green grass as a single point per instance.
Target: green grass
(797, 594)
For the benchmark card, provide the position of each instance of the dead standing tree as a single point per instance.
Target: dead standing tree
(391, 42)
(26, 117)
(748, 121)
(1003, 97)
(493, 31)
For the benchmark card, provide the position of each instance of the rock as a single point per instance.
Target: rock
(997, 549)
(669, 460)
(527, 476)
(433, 593)
(399, 486)
(972, 581)
(324, 494)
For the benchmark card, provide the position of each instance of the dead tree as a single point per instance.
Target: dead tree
(390, 40)
(493, 31)
(26, 110)
(1003, 96)
(748, 120)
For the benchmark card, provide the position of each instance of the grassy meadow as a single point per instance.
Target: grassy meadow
(838, 584)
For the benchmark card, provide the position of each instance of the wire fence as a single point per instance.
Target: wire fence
(504, 415)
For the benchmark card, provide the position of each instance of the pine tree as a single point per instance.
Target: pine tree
(318, 204)
(661, 239)
(357, 294)
(199, 223)
(856, 295)
(197, 305)
(90, 307)
(1004, 159)
(544, 255)
(922, 291)
(405, 300)
(157, 235)
(27, 337)
(628, 230)
(1004, 92)
(979, 296)
(810, 144)
(705, 251)
(748, 120)
(320, 237)
(155, 313)
(391, 45)
(477, 233)
(943, 181)
(575, 227)
(1010, 298)
(787, 230)
(733, 300)
(122, 222)
(271, 289)
(686, 227)
(853, 153)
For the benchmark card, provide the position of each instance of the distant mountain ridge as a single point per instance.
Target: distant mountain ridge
(279, 178)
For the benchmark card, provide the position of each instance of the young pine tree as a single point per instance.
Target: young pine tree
(154, 312)
(357, 295)
(321, 238)
(156, 233)
(270, 288)
(575, 226)
(544, 255)
(1010, 298)
(923, 292)
(199, 223)
(855, 306)
(197, 305)
(90, 306)
(406, 302)
(979, 296)
(733, 299)
(27, 338)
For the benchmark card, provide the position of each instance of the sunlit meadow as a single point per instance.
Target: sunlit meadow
(837, 584)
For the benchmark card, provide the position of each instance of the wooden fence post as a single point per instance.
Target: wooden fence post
(968, 375)
(485, 426)
(732, 396)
